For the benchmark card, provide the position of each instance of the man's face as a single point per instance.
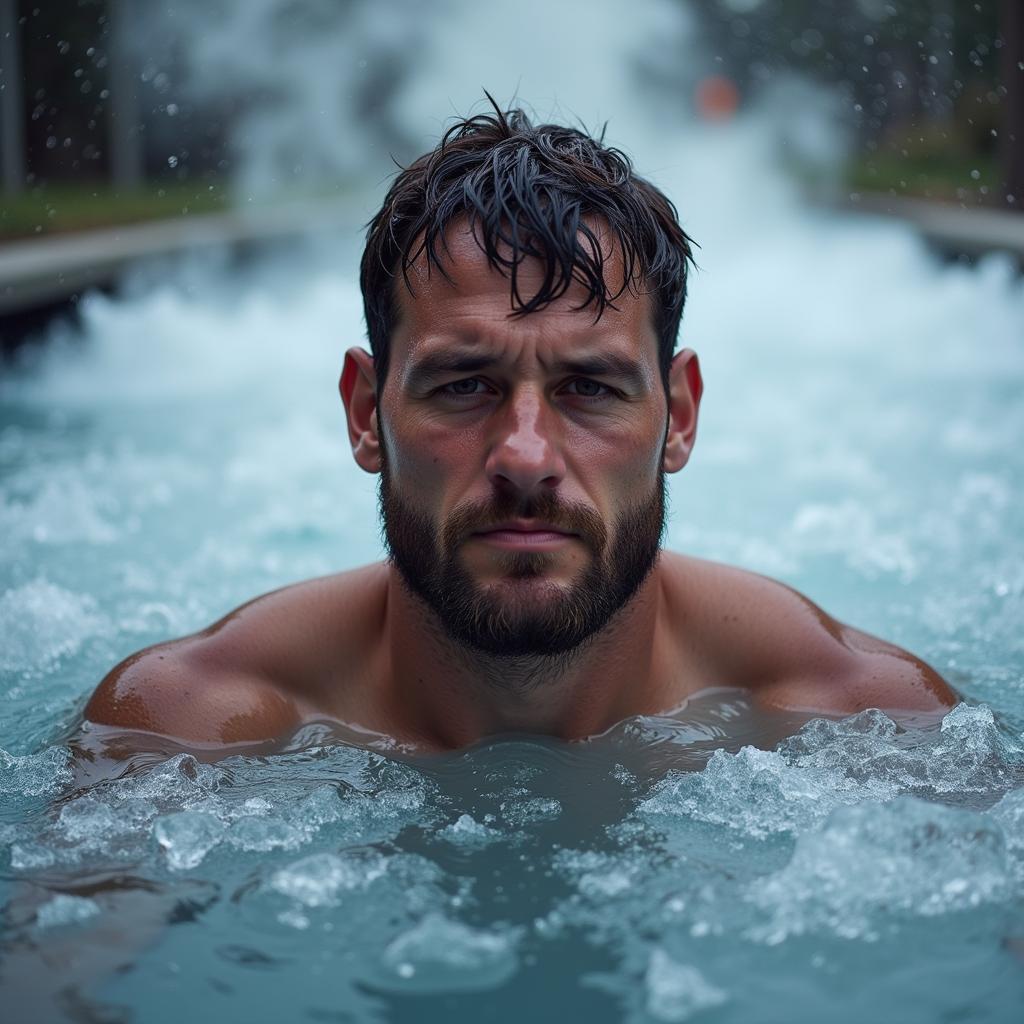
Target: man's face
(522, 484)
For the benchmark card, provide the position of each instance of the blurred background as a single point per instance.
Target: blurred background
(120, 109)
(128, 111)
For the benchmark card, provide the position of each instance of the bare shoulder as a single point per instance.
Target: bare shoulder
(756, 632)
(253, 675)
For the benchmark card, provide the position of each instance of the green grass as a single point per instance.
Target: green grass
(54, 209)
(973, 181)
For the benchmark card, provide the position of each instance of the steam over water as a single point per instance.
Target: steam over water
(859, 439)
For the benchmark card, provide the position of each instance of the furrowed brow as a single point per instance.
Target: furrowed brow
(627, 371)
(437, 364)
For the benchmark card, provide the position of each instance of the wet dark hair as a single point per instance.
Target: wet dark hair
(527, 191)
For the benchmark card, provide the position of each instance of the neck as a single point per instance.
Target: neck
(457, 695)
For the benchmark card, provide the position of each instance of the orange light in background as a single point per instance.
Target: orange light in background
(717, 98)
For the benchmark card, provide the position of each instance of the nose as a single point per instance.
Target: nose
(524, 456)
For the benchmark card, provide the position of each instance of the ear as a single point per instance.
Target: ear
(358, 387)
(685, 387)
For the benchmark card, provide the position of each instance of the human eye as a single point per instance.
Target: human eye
(584, 387)
(468, 387)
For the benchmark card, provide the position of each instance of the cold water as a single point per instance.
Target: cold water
(184, 448)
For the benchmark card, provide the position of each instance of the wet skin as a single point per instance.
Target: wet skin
(477, 404)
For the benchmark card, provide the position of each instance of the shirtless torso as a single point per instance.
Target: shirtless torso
(326, 650)
(523, 407)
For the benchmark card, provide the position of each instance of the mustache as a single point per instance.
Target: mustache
(570, 516)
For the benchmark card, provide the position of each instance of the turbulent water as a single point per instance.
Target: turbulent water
(185, 449)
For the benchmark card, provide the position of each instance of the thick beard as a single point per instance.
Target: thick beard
(522, 616)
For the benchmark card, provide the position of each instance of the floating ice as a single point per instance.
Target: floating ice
(828, 764)
(467, 831)
(967, 754)
(64, 909)
(443, 955)
(754, 792)
(676, 991)
(872, 863)
(40, 774)
(87, 820)
(600, 875)
(972, 755)
(316, 881)
(321, 807)
(260, 834)
(522, 811)
(187, 837)
(1009, 815)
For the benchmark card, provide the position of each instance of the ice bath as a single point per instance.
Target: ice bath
(184, 449)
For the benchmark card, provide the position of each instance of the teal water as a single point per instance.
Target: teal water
(185, 449)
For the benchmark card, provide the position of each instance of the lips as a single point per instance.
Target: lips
(524, 534)
(526, 526)
(510, 522)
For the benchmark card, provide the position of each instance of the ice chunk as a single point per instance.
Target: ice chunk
(187, 837)
(442, 955)
(87, 821)
(64, 909)
(1009, 815)
(971, 754)
(600, 875)
(321, 807)
(862, 748)
(259, 834)
(179, 783)
(32, 856)
(967, 754)
(467, 831)
(756, 792)
(315, 881)
(41, 623)
(35, 774)
(873, 861)
(529, 811)
(677, 991)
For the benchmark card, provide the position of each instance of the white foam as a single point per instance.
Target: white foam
(41, 623)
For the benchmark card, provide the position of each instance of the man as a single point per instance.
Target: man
(522, 405)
